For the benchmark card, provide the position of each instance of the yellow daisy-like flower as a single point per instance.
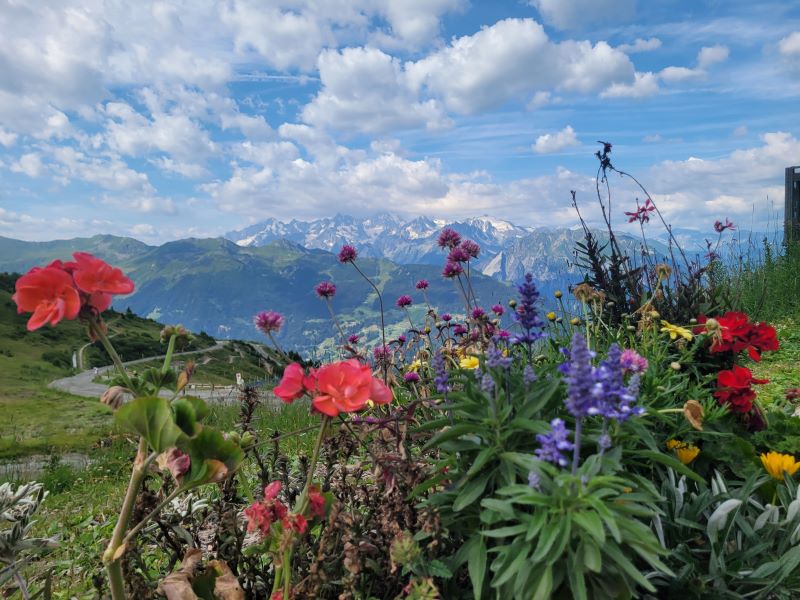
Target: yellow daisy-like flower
(776, 464)
(469, 362)
(674, 331)
(551, 316)
(415, 365)
(686, 453)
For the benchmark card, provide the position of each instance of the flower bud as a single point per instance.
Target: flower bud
(427, 330)
(247, 439)
(551, 316)
(575, 321)
(693, 321)
(512, 303)
(675, 366)
(114, 396)
(630, 328)
(558, 294)
(712, 325)
(663, 271)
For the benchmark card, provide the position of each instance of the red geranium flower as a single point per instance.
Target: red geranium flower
(346, 386)
(316, 501)
(49, 294)
(734, 388)
(737, 333)
(95, 276)
(291, 385)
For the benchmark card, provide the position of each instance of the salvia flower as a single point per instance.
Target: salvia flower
(347, 254)
(497, 357)
(422, 284)
(441, 378)
(526, 313)
(449, 238)
(325, 289)
(487, 383)
(268, 321)
(580, 378)
(552, 445)
(529, 375)
(534, 481)
(471, 248)
(452, 270)
(404, 301)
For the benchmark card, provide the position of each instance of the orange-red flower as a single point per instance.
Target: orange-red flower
(733, 332)
(95, 276)
(734, 388)
(49, 294)
(346, 386)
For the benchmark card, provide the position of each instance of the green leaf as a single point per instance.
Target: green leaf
(545, 585)
(151, 417)
(672, 463)
(201, 410)
(591, 523)
(546, 540)
(483, 457)
(437, 568)
(516, 556)
(476, 564)
(185, 417)
(591, 556)
(508, 531)
(213, 457)
(470, 492)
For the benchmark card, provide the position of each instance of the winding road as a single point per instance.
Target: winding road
(82, 384)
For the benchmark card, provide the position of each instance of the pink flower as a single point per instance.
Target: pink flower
(449, 238)
(49, 294)
(404, 301)
(347, 254)
(268, 321)
(325, 289)
(291, 386)
(422, 284)
(632, 361)
(346, 386)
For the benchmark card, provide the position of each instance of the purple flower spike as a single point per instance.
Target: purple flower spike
(347, 254)
(268, 321)
(471, 248)
(449, 238)
(325, 289)
(452, 270)
(553, 444)
(422, 284)
(526, 314)
(403, 301)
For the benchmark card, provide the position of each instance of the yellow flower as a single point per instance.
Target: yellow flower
(777, 464)
(415, 365)
(674, 331)
(469, 362)
(686, 453)
(551, 316)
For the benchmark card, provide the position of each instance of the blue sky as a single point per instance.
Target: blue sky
(162, 120)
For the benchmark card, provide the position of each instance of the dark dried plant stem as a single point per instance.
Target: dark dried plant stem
(383, 323)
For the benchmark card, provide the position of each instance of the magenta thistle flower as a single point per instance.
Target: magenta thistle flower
(411, 377)
(452, 270)
(459, 330)
(353, 339)
(447, 317)
(401, 338)
(449, 238)
(381, 352)
(347, 254)
(268, 321)
(478, 313)
(632, 361)
(458, 255)
(422, 284)
(403, 301)
(498, 310)
(325, 289)
(719, 226)
(470, 248)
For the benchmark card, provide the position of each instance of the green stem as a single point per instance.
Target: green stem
(299, 509)
(383, 324)
(98, 332)
(168, 357)
(112, 562)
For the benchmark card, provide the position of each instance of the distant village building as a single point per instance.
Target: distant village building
(791, 226)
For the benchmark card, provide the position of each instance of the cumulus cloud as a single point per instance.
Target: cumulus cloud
(789, 46)
(643, 85)
(30, 164)
(556, 142)
(7, 138)
(579, 14)
(641, 45)
(707, 57)
(712, 55)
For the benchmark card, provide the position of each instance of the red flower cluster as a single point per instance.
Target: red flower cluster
(344, 386)
(737, 333)
(734, 388)
(60, 290)
(262, 515)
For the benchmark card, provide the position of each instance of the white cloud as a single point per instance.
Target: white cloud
(550, 143)
(678, 74)
(414, 23)
(30, 164)
(711, 55)
(539, 100)
(7, 138)
(641, 45)
(367, 90)
(108, 172)
(578, 14)
(643, 86)
(652, 139)
(789, 46)
(188, 170)
(494, 65)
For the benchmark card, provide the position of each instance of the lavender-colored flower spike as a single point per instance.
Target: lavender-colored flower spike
(487, 383)
(526, 313)
(553, 444)
(580, 378)
(347, 254)
(534, 481)
(529, 375)
(441, 378)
